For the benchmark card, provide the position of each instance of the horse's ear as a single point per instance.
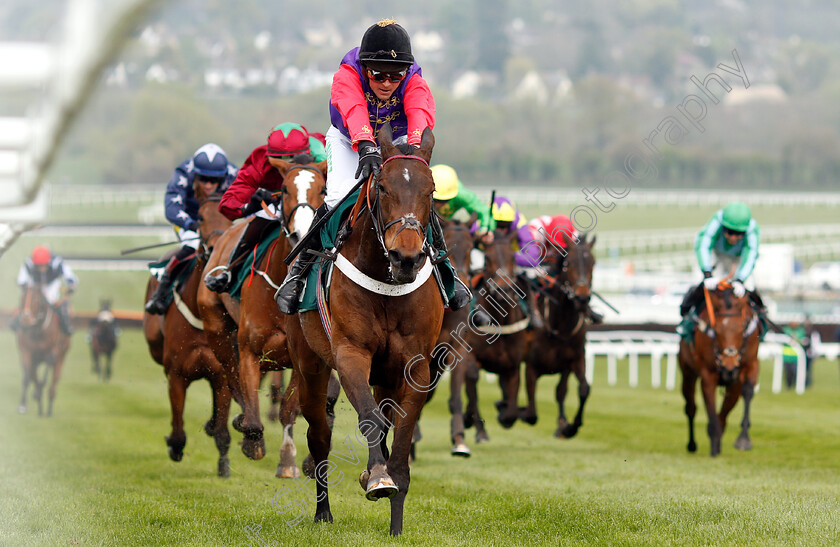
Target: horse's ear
(322, 167)
(280, 165)
(592, 242)
(386, 143)
(426, 145)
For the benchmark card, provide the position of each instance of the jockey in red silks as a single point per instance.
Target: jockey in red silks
(550, 235)
(376, 83)
(50, 271)
(254, 183)
(211, 168)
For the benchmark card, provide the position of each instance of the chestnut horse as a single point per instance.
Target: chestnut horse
(178, 342)
(39, 340)
(103, 340)
(255, 326)
(501, 346)
(560, 347)
(385, 316)
(724, 353)
(460, 242)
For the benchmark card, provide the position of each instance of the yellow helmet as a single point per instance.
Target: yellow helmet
(505, 213)
(446, 182)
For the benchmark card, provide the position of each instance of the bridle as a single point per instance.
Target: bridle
(461, 270)
(284, 219)
(407, 221)
(41, 315)
(562, 283)
(206, 246)
(731, 351)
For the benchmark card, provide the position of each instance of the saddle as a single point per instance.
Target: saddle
(179, 276)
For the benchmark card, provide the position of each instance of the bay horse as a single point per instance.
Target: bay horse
(177, 341)
(560, 347)
(103, 340)
(724, 353)
(500, 347)
(460, 243)
(382, 333)
(39, 341)
(253, 325)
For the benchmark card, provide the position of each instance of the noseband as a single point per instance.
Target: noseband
(731, 351)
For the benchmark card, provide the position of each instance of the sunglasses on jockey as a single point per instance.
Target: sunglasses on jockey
(395, 77)
(211, 180)
(734, 233)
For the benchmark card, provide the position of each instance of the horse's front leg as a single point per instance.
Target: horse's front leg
(353, 365)
(28, 370)
(747, 392)
(275, 395)
(253, 445)
(583, 393)
(708, 382)
(219, 429)
(456, 409)
(178, 437)
(406, 415)
(509, 382)
(560, 396)
(529, 413)
(313, 397)
(287, 412)
(57, 367)
(689, 388)
(473, 416)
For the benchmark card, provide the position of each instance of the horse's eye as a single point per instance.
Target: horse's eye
(380, 188)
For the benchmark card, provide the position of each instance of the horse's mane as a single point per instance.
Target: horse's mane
(405, 148)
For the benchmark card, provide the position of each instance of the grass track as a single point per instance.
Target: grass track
(97, 473)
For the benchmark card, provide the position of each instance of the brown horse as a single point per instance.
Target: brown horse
(103, 340)
(39, 340)
(178, 342)
(724, 353)
(382, 333)
(255, 326)
(559, 348)
(501, 346)
(460, 243)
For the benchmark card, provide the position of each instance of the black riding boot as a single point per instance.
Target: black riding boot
(253, 235)
(288, 295)
(595, 317)
(691, 299)
(64, 318)
(461, 295)
(158, 303)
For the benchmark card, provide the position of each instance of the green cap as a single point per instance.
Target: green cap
(736, 216)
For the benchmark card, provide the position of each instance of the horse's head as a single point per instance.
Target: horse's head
(303, 190)
(500, 264)
(731, 326)
(459, 241)
(34, 308)
(402, 196)
(211, 223)
(575, 271)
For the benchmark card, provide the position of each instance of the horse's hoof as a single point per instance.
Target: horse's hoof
(273, 414)
(569, 431)
(224, 467)
(530, 419)
(743, 443)
(287, 472)
(692, 447)
(382, 488)
(237, 422)
(308, 466)
(22, 409)
(482, 437)
(462, 450)
(501, 405)
(364, 477)
(209, 426)
(469, 421)
(254, 447)
(175, 455)
(506, 421)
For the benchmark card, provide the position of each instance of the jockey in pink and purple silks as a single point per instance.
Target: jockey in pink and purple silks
(376, 83)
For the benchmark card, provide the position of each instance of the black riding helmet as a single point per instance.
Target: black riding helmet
(386, 47)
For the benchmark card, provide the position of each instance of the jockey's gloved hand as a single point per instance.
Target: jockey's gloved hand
(370, 162)
(192, 226)
(738, 288)
(707, 275)
(255, 205)
(710, 283)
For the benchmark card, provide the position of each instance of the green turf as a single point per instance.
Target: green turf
(97, 473)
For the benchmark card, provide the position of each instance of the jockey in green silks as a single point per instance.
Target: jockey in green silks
(450, 197)
(731, 238)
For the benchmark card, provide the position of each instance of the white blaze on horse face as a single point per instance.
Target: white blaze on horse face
(304, 215)
(405, 175)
